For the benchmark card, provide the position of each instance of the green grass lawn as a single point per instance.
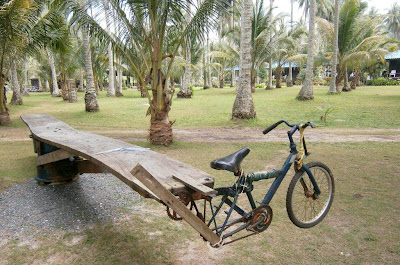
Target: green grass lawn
(364, 107)
(361, 228)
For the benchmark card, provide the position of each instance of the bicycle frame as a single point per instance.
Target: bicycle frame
(244, 185)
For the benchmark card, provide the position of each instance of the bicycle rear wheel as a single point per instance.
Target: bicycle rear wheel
(304, 207)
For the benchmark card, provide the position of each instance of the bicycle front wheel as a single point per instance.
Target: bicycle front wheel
(304, 207)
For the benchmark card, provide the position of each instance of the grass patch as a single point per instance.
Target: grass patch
(18, 162)
(363, 107)
(362, 226)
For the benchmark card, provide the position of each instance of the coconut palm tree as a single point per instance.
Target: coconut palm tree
(56, 92)
(360, 39)
(185, 91)
(14, 16)
(307, 92)
(223, 55)
(287, 43)
(21, 32)
(91, 104)
(243, 107)
(324, 8)
(111, 72)
(16, 97)
(145, 31)
(393, 20)
(289, 81)
(265, 37)
(332, 85)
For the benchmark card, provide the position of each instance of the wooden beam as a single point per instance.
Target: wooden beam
(174, 203)
(53, 157)
(86, 166)
(197, 186)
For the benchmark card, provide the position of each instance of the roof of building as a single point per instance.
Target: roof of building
(393, 55)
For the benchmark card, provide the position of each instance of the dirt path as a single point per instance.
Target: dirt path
(240, 135)
(255, 135)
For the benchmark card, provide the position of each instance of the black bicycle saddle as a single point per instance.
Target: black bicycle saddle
(232, 161)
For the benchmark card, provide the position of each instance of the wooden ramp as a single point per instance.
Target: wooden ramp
(151, 174)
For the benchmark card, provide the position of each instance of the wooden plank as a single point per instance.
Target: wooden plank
(174, 203)
(85, 166)
(196, 185)
(115, 156)
(53, 157)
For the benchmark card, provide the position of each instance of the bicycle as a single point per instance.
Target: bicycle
(312, 187)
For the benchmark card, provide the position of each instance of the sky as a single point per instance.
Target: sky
(283, 6)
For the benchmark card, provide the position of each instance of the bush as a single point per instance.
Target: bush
(124, 88)
(381, 81)
(260, 86)
(191, 87)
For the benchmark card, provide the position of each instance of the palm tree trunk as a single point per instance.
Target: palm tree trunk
(289, 81)
(56, 92)
(243, 107)
(307, 91)
(16, 97)
(81, 89)
(26, 81)
(208, 60)
(160, 127)
(91, 104)
(253, 79)
(332, 88)
(346, 86)
(118, 91)
(221, 78)
(278, 73)
(270, 73)
(185, 88)
(111, 71)
(205, 75)
(185, 92)
(4, 114)
(46, 86)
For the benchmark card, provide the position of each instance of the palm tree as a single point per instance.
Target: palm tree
(185, 91)
(223, 55)
(91, 104)
(20, 23)
(111, 74)
(324, 9)
(146, 28)
(332, 86)
(13, 16)
(393, 21)
(243, 107)
(289, 81)
(287, 43)
(307, 92)
(269, 86)
(360, 40)
(56, 92)
(16, 97)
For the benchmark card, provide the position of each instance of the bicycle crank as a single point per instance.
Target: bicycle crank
(262, 217)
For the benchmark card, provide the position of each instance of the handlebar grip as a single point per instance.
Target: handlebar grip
(273, 126)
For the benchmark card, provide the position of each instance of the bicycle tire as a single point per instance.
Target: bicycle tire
(297, 194)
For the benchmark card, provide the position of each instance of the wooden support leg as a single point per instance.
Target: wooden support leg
(174, 203)
(53, 164)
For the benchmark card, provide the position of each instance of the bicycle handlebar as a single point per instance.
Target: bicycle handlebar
(273, 126)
